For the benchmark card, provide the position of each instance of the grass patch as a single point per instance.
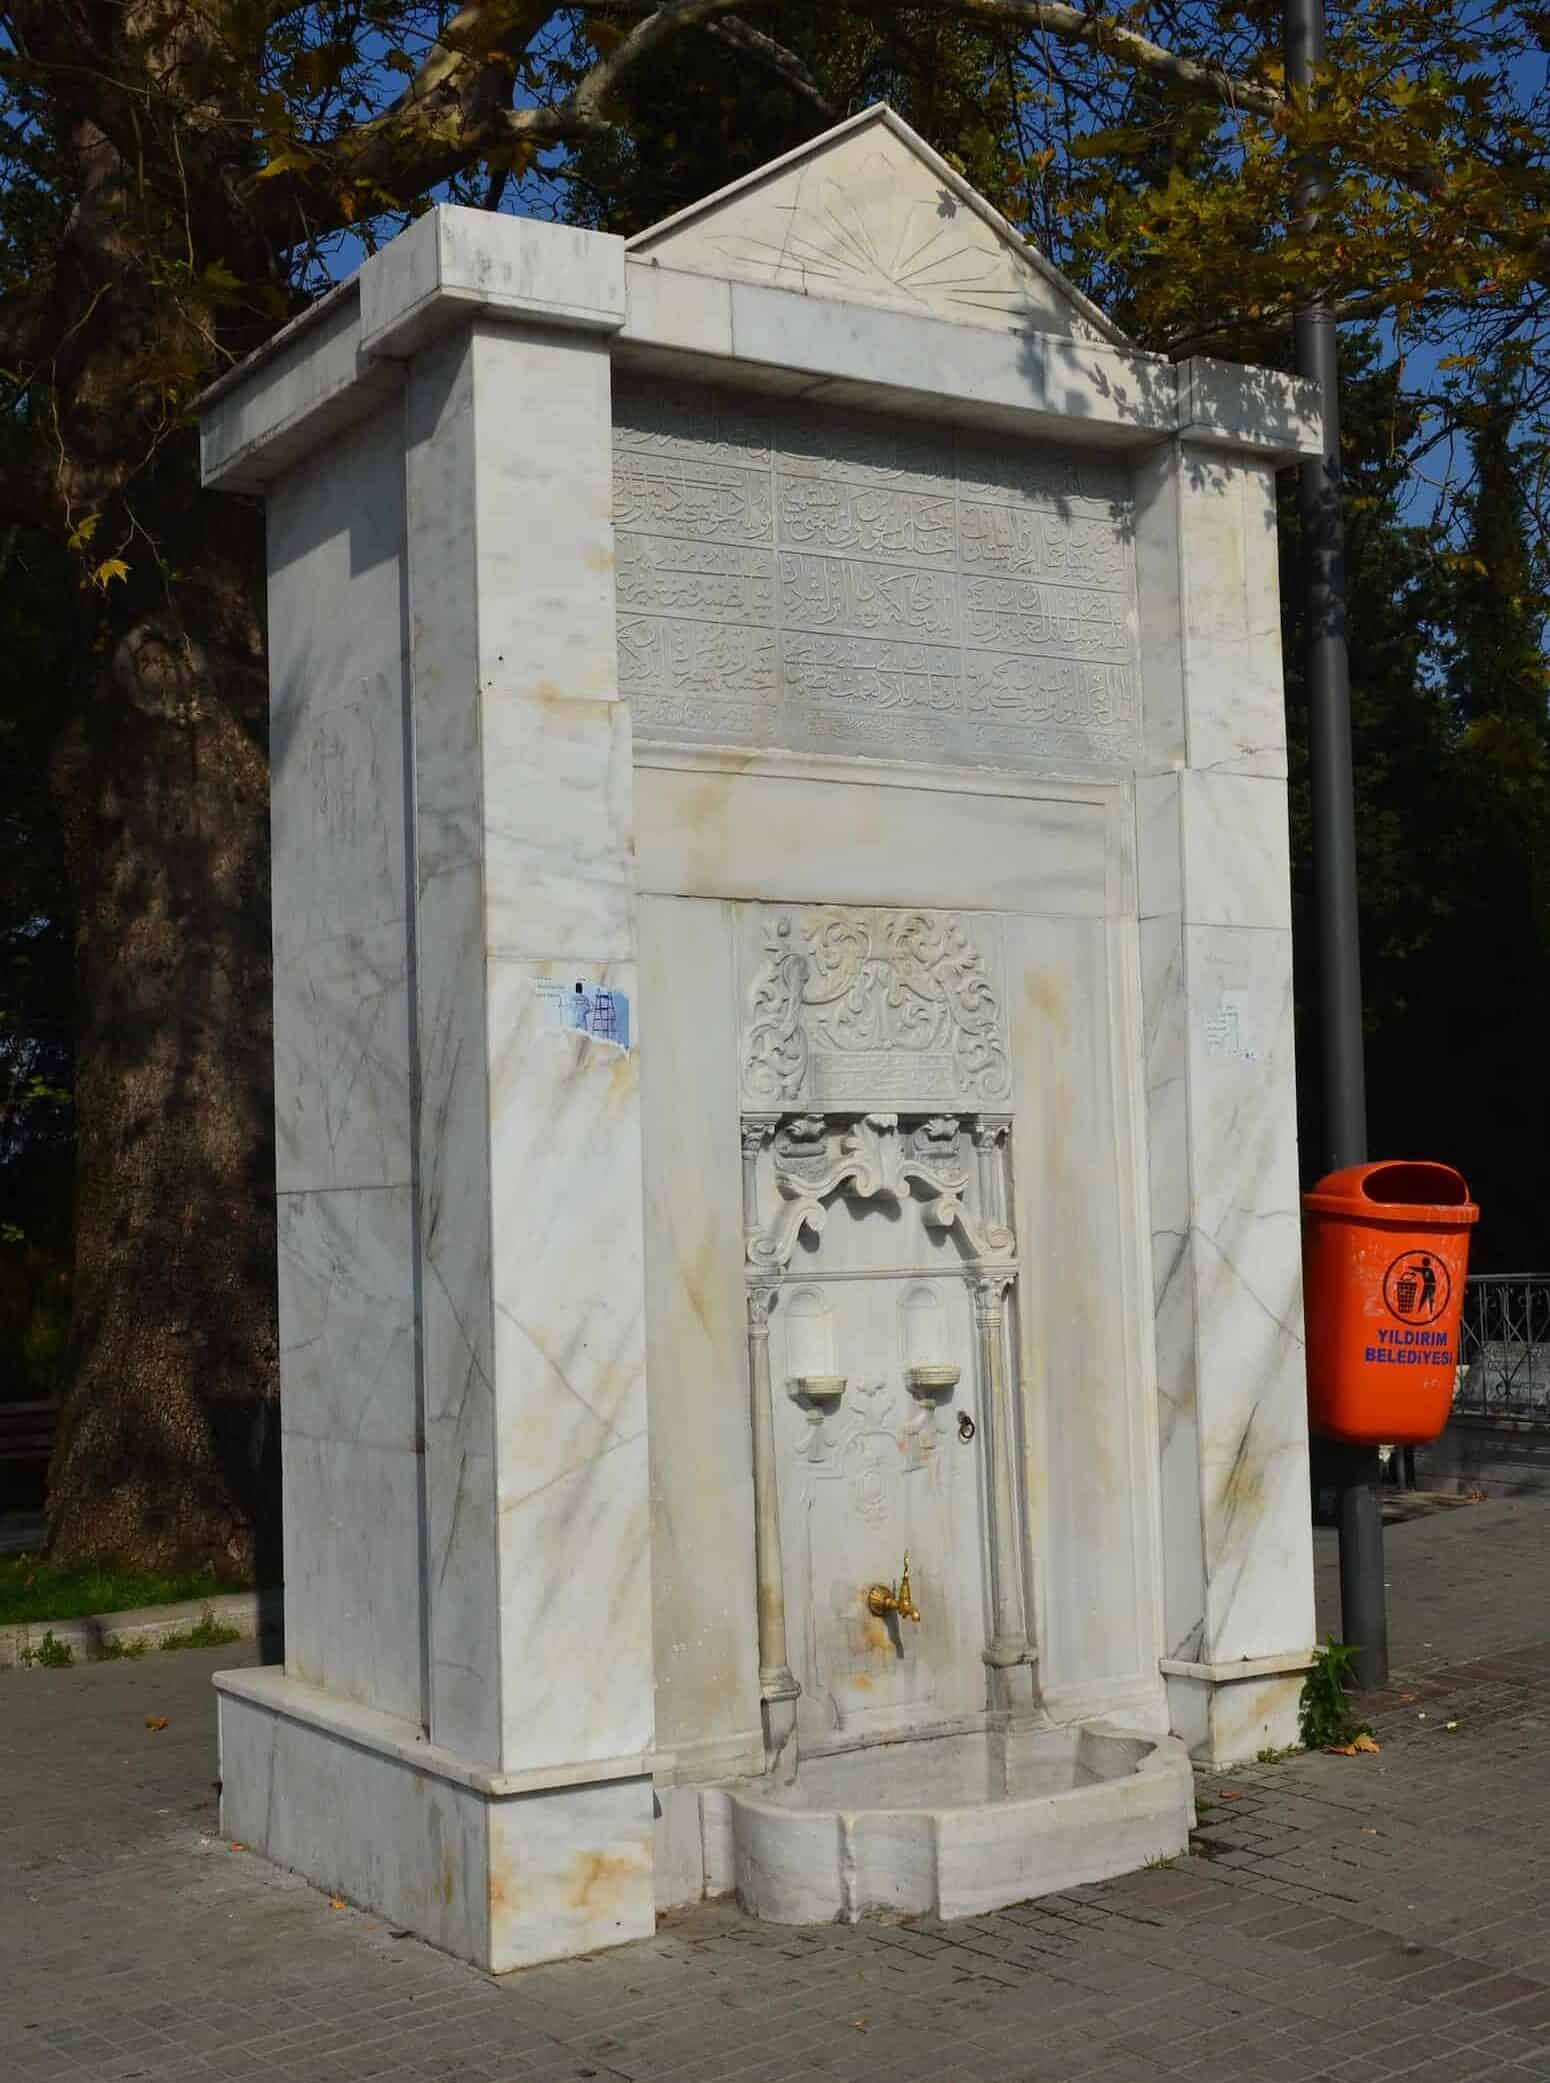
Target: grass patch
(205, 1633)
(208, 1633)
(113, 1649)
(32, 1589)
(50, 1655)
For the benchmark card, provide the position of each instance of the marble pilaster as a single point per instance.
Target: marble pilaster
(1215, 944)
(462, 1262)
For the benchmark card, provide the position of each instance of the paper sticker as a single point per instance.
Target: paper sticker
(1227, 1028)
(598, 1011)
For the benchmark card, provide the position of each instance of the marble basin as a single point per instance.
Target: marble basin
(952, 1825)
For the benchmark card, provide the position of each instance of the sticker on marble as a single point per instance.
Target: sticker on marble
(1229, 1027)
(599, 1012)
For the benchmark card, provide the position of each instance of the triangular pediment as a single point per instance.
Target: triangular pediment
(869, 214)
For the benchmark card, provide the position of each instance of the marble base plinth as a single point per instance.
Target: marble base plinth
(1227, 1714)
(502, 1869)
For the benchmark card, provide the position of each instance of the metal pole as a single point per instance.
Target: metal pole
(1363, 1617)
(1364, 1620)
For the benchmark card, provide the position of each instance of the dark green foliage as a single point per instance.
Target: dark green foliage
(1452, 815)
(1324, 1714)
(36, 993)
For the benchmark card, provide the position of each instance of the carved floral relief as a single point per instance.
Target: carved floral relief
(874, 1007)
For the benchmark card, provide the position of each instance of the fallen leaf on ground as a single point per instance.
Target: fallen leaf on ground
(236, 1846)
(1359, 1746)
(859, 2024)
(1369, 1830)
(1232, 1797)
(336, 1902)
(156, 1723)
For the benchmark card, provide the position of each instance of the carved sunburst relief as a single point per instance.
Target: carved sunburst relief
(877, 240)
(869, 214)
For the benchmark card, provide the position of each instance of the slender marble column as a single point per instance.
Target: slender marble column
(990, 1132)
(778, 1688)
(1009, 1631)
(757, 1131)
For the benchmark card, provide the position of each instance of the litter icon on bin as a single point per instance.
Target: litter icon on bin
(1416, 1287)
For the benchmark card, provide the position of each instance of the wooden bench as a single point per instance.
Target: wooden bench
(27, 1432)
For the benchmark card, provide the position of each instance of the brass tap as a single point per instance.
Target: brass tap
(882, 1598)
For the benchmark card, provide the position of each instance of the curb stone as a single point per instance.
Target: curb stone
(249, 1612)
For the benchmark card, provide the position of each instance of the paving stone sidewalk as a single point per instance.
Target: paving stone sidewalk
(1352, 1918)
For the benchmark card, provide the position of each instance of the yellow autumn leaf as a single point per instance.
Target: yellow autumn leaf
(83, 532)
(108, 570)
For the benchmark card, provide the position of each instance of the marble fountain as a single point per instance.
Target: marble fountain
(789, 1268)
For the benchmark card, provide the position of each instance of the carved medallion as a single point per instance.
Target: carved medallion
(859, 1008)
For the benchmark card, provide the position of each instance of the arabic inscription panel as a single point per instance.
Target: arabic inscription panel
(798, 578)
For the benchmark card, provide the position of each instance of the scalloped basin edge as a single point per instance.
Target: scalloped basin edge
(892, 1828)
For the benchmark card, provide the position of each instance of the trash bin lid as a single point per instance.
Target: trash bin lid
(1396, 1190)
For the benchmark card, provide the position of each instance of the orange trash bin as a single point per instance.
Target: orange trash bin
(1385, 1251)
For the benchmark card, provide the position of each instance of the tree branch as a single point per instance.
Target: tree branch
(456, 110)
(1130, 50)
(663, 23)
(776, 58)
(1127, 47)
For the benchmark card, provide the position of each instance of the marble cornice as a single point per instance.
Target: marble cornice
(337, 361)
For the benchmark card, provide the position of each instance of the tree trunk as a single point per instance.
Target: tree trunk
(168, 1454)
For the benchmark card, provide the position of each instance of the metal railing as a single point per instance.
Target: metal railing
(1504, 1346)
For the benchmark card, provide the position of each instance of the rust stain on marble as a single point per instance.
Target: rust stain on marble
(504, 1898)
(1045, 1001)
(623, 1084)
(598, 1878)
(700, 1285)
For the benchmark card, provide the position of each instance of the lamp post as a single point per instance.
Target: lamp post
(1363, 1615)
